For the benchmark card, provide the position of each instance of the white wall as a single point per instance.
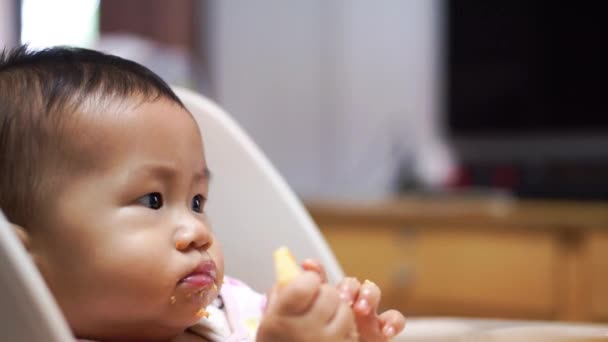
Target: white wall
(337, 93)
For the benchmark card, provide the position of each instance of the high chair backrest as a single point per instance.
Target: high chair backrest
(28, 311)
(251, 208)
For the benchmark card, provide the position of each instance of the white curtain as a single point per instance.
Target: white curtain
(339, 94)
(9, 35)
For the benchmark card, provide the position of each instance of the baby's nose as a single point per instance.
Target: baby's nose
(193, 233)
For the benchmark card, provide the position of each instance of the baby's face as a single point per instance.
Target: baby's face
(128, 250)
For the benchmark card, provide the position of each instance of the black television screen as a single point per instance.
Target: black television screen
(526, 67)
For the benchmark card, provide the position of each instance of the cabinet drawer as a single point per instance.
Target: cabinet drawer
(598, 274)
(372, 253)
(448, 271)
(501, 273)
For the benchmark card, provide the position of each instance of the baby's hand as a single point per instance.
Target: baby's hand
(306, 309)
(364, 299)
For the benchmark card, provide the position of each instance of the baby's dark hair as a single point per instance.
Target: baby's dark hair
(40, 93)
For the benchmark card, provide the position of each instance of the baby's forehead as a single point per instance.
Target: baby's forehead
(105, 125)
(95, 127)
(110, 106)
(101, 110)
(96, 114)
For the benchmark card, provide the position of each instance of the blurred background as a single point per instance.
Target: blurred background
(454, 151)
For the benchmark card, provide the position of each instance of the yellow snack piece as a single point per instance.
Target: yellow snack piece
(285, 266)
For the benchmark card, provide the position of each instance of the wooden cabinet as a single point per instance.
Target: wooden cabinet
(478, 258)
(598, 274)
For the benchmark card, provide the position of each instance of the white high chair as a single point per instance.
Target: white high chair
(28, 312)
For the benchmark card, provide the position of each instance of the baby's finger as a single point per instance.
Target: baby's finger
(315, 266)
(349, 289)
(326, 304)
(343, 323)
(392, 322)
(298, 295)
(367, 300)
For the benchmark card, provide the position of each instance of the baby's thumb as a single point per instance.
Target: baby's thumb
(315, 266)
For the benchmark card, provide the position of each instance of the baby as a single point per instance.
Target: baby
(103, 171)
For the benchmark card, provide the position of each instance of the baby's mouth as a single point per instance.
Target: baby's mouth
(204, 275)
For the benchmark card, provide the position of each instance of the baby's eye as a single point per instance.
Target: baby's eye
(197, 203)
(153, 200)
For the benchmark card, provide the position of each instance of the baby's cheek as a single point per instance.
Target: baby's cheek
(134, 289)
(217, 254)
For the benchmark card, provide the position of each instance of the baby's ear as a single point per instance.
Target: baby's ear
(22, 235)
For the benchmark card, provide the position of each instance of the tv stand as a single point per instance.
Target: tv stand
(575, 180)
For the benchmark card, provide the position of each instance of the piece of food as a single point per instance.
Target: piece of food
(285, 266)
(202, 313)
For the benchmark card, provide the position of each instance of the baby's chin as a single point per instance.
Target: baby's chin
(192, 305)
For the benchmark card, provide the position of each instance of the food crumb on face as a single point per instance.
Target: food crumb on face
(173, 300)
(202, 313)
